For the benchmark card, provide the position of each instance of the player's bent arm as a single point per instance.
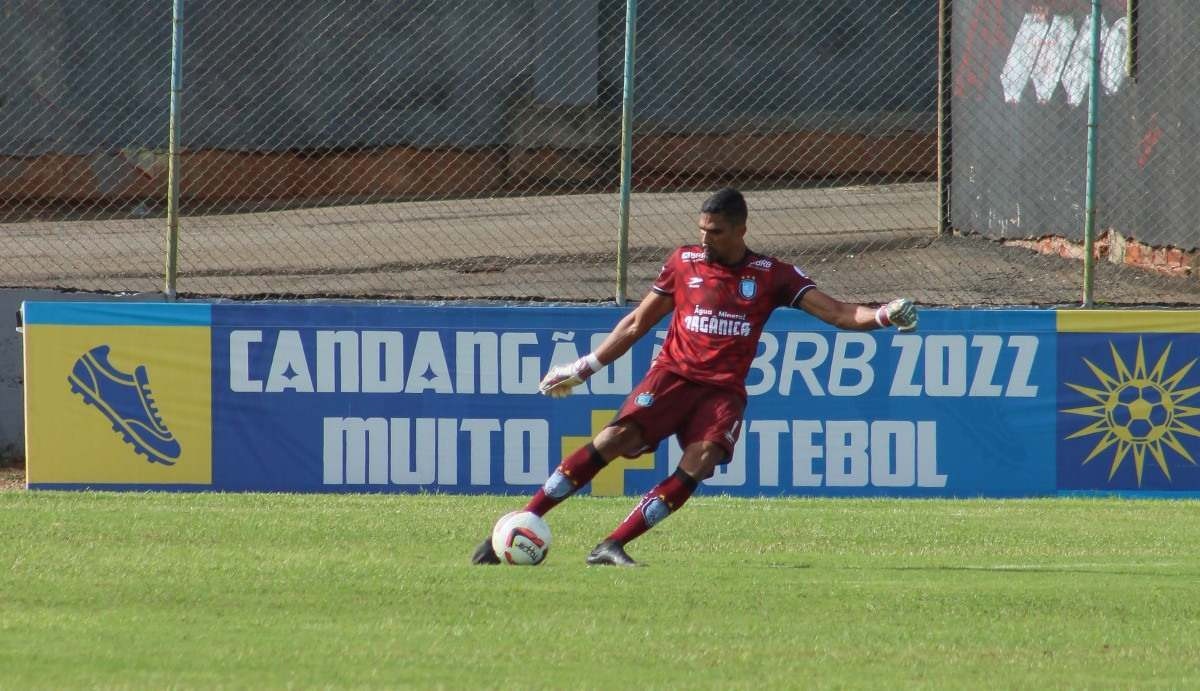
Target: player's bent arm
(561, 379)
(900, 312)
(633, 326)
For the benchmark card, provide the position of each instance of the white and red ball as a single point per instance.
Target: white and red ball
(521, 538)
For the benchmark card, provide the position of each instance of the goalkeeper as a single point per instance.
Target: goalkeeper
(721, 293)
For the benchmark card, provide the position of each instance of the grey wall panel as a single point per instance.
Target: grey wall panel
(1019, 121)
(80, 76)
(321, 74)
(566, 58)
(784, 61)
(276, 75)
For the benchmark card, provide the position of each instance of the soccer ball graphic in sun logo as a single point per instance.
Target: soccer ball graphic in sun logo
(1138, 412)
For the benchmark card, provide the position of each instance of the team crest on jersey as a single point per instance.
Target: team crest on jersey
(645, 399)
(747, 288)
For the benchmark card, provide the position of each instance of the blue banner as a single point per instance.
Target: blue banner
(1126, 412)
(393, 398)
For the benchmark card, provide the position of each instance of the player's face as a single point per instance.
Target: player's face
(723, 241)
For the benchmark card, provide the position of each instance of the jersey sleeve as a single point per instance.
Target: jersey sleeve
(792, 285)
(667, 276)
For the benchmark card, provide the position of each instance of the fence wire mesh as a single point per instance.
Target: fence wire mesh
(1020, 111)
(464, 149)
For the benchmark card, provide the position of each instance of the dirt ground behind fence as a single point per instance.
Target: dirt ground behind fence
(863, 243)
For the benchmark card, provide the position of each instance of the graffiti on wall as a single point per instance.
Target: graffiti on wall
(1050, 51)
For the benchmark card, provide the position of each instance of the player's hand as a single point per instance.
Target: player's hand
(559, 381)
(901, 313)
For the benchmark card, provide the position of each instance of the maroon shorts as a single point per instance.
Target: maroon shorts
(664, 403)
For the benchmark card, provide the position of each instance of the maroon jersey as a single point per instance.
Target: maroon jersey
(720, 312)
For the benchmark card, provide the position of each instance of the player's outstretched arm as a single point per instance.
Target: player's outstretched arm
(559, 381)
(901, 312)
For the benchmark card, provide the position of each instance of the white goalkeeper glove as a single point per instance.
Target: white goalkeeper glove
(901, 313)
(559, 381)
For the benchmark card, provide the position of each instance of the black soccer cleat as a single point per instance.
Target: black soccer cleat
(610, 553)
(484, 554)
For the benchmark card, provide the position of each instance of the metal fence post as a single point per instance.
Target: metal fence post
(944, 132)
(173, 150)
(626, 151)
(1089, 228)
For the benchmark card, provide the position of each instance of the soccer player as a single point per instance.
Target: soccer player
(721, 293)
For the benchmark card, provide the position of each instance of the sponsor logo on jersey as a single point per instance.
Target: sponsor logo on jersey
(720, 324)
(747, 288)
(691, 256)
(695, 282)
(761, 264)
(645, 399)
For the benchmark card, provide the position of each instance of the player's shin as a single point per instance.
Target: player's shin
(574, 472)
(666, 498)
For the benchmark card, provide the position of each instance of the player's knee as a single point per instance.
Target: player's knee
(696, 468)
(619, 440)
(714, 456)
(702, 461)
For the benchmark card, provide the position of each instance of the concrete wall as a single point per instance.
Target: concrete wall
(312, 99)
(277, 75)
(12, 416)
(1020, 111)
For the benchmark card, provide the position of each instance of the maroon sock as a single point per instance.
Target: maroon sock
(574, 472)
(666, 497)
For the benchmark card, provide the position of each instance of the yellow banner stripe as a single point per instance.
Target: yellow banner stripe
(1129, 321)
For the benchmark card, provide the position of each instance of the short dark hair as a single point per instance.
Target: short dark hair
(729, 203)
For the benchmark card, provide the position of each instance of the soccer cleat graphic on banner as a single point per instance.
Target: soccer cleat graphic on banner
(126, 401)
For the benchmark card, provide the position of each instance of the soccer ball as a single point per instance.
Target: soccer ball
(1139, 412)
(521, 538)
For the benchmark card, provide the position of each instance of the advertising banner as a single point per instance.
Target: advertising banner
(398, 398)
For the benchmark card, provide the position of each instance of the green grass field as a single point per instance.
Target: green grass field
(207, 590)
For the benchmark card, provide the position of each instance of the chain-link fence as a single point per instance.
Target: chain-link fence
(1022, 74)
(472, 148)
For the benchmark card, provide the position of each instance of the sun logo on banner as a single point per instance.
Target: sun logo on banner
(1137, 412)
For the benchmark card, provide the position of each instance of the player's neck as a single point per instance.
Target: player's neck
(741, 257)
